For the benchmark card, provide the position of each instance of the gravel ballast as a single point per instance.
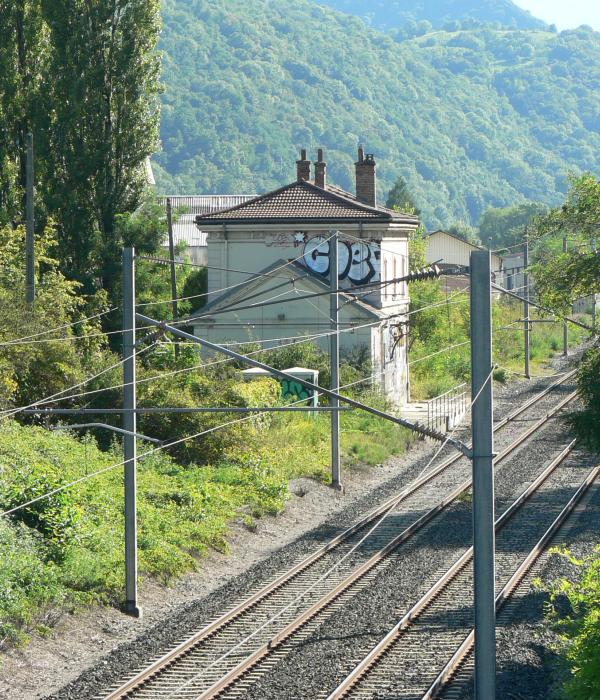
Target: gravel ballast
(82, 643)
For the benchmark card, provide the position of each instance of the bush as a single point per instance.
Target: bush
(587, 421)
(579, 625)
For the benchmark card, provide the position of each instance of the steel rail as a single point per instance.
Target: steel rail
(302, 619)
(505, 594)
(182, 649)
(376, 654)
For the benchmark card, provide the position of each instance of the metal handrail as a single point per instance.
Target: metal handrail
(447, 405)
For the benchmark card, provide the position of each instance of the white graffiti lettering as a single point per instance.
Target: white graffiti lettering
(358, 262)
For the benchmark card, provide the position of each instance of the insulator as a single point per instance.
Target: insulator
(429, 273)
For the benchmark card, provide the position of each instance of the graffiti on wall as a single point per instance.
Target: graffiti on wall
(292, 390)
(358, 262)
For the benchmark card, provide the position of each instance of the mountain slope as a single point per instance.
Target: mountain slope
(384, 14)
(471, 119)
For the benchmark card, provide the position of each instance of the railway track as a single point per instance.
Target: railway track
(439, 626)
(456, 680)
(227, 649)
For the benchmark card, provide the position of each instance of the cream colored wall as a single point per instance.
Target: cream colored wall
(286, 320)
(253, 249)
(453, 251)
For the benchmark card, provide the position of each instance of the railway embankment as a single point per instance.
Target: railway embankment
(105, 646)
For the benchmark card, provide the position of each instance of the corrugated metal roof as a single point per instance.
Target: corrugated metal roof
(184, 228)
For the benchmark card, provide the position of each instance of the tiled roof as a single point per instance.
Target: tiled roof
(301, 202)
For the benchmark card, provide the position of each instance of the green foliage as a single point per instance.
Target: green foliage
(562, 278)
(587, 421)
(28, 584)
(471, 119)
(66, 551)
(23, 97)
(195, 289)
(579, 625)
(446, 323)
(31, 370)
(447, 13)
(503, 228)
(83, 75)
(400, 198)
(197, 389)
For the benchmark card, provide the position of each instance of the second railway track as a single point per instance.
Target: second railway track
(213, 659)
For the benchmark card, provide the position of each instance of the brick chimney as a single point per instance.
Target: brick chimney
(366, 178)
(321, 171)
(303, 166)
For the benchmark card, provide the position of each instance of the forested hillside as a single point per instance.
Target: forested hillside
(471, 118)
(387, 14)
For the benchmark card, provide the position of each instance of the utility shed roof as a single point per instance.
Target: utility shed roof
(304, 202)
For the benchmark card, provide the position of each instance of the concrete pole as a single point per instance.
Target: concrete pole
(30, 227)
(334, 348)
(173, 270)
(483, 477)
(526, 307)
(565, 324)
(129, 440)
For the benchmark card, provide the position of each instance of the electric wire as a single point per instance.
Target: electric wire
(326, 574)
(237, 284)
(58, 328)
(59, 395)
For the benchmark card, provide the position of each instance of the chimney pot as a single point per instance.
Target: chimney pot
(321, 171)
(366, 178)
(303, 166)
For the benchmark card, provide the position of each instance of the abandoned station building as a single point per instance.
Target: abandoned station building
(275, 248)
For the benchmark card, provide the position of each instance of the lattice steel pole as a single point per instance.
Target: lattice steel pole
(334, 312)
(483, 477)
(129, 440)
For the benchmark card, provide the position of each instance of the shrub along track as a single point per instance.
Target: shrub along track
(228, 648)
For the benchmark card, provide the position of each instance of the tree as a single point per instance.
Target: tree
(505, 227)
(23, 59)
(401, 199)
(104, 95)
(561, 278)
